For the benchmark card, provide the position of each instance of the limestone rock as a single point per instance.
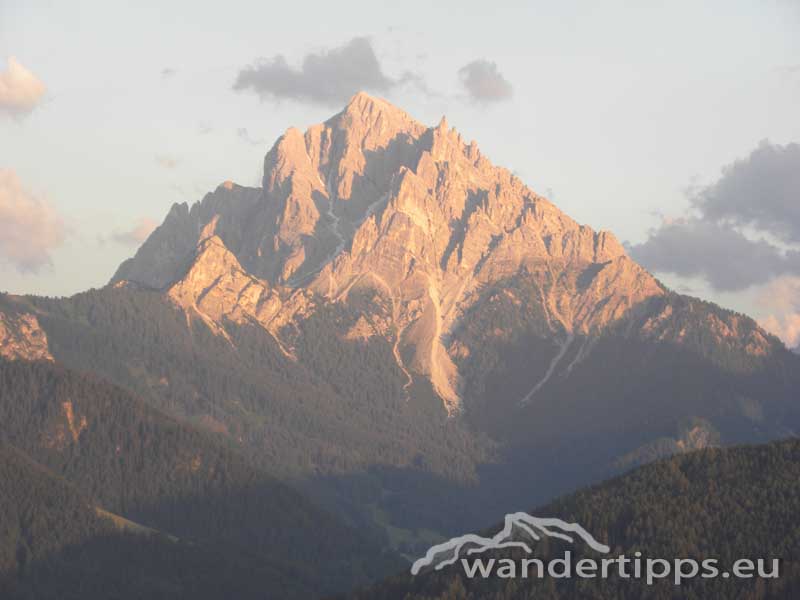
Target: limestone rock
(21, 337)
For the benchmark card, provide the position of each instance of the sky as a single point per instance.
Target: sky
(674, 125)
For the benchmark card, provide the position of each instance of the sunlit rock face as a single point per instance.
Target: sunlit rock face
(21, 338)
(373, 200)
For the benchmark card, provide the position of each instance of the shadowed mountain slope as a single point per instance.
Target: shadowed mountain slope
(725, 504)
(140, 464)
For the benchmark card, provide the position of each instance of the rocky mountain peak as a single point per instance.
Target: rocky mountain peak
(288, 161)
(372, 199)
(373, 119)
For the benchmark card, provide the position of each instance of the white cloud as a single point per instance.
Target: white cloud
(20, 90)
(29, 227)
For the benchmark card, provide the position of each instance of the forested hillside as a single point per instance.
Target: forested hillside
(152, 469)
(335, 421)
(55, 545)
(728, 504)
(338, 410)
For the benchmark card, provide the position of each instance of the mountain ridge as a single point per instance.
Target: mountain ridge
(362, 201)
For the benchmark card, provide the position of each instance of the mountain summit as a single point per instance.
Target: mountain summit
(373, 200)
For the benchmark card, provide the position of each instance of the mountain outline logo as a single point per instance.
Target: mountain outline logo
(531, 526)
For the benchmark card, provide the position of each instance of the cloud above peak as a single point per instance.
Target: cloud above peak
(484, 83)
(329, 77)
(29, 227)
(20, 90)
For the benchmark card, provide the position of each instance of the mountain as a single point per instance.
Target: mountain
(155, 471)
(726, 504)
(373, 202)
(398, 327)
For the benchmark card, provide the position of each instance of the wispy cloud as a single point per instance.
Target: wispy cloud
(137, 234)
(168, 162)
(245, 136)
(788, 70)
(29, 227)
(20, 90)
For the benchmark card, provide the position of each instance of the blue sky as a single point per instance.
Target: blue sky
(618, 108)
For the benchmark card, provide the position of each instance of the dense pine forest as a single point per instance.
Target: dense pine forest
(728, 504)
(55, 545)
(335, 422)
(100, 447)
(338, 410)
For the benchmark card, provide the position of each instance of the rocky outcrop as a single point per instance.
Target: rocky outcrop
(166, 254)
(21, 337)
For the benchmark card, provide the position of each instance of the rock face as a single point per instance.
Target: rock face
(317, 186)
(21, 337)
(373, 200)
